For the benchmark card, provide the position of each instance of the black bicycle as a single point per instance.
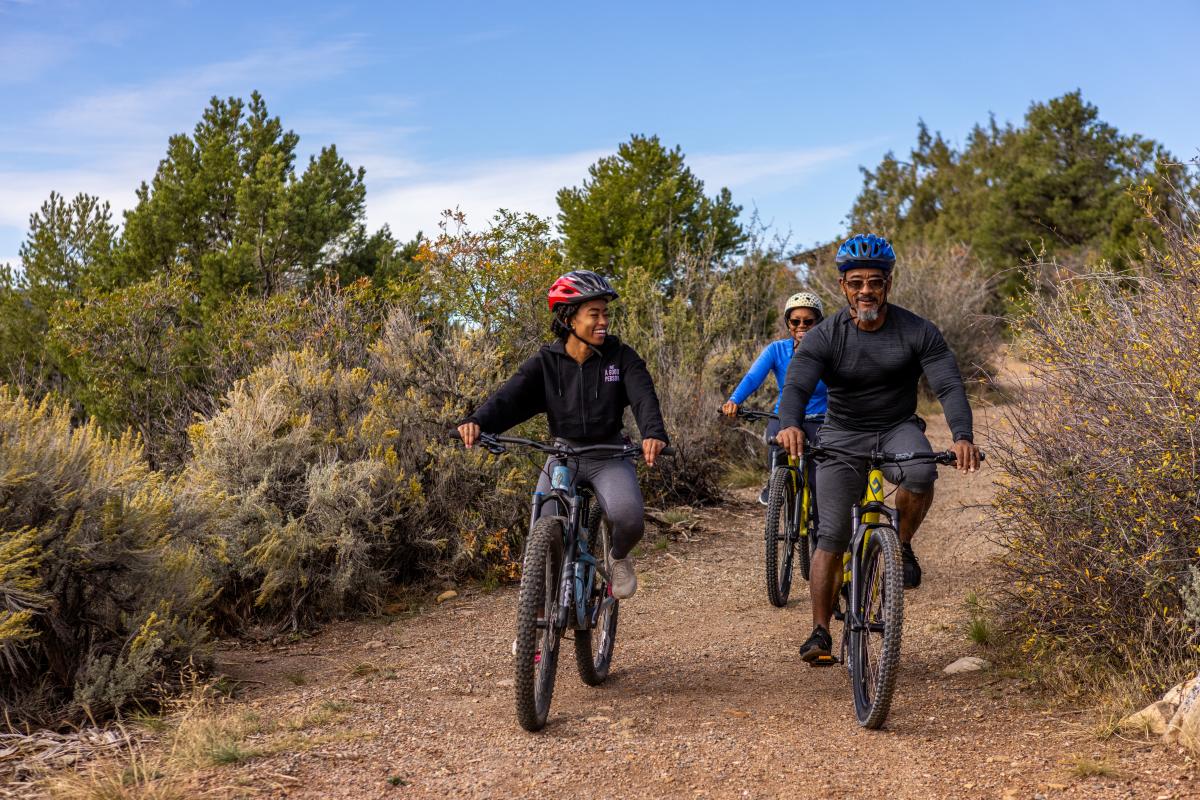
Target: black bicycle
(873, 583)
(564, 579)
(790, 522)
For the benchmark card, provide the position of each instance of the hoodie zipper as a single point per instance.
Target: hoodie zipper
(582, 402)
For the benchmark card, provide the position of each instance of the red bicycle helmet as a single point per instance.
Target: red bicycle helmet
(579, 286)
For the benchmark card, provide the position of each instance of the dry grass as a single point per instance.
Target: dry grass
(200, 735)
(745, 477)
(980, 629)
(1089, 767)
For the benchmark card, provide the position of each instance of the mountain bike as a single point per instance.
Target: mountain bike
(872, 569)
(564, 578)
(790, 521)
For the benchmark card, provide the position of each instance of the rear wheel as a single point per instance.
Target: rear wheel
(594, 646)
(878, 602)
(536, 646)
(780, 537)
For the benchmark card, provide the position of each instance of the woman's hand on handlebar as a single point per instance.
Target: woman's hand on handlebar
(650, 450)
(730, 408)
(791, 440)
(469, 433)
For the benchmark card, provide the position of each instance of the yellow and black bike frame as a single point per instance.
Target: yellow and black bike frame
(868, 513)
(802, 501)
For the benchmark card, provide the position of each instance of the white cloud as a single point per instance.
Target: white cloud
(532, 184)
(479, 190)
(22, 193)
(108, 142)
(137, 113)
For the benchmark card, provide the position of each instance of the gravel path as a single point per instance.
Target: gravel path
(708, 697)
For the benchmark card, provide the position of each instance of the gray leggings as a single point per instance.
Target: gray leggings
(615, 483)
(841, 479)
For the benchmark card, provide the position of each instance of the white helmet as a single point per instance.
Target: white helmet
(804, 300)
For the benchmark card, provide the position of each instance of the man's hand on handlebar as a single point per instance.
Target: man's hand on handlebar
(730, 408)
(650, 450)
(469, 433)
(966, 455)
(791, 440)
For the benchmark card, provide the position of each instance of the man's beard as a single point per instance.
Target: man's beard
(869, 314)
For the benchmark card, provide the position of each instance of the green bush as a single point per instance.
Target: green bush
(149, 357)
(102, 578)
(1098, 504)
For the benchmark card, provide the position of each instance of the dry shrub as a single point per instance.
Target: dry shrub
(1099, 506)
(102, 581)
(345, 479)
(697, 341)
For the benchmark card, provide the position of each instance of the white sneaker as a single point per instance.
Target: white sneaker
(624, 579)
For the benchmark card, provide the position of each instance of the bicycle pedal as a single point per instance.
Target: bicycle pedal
(824, 661)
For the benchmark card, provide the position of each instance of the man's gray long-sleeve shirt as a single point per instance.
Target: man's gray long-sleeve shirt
(872, 375)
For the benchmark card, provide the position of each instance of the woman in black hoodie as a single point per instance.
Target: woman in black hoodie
(583, 382)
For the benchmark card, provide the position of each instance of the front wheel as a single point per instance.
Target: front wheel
(536, 648)
(876, 626)
(780, 537)
(594, 646)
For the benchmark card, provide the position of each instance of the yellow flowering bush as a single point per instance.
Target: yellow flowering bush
(1100, 502)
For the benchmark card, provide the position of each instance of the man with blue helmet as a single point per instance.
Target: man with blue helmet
(801, 312)
(871, 354)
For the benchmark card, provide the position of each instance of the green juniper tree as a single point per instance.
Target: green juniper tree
(1058, 184)
(644, 208)
(228, 205)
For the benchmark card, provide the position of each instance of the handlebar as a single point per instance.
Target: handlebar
(879, 457)
(495, 443)
(752, 414)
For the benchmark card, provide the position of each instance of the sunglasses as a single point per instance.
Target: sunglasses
(857, 284)
(801, 322)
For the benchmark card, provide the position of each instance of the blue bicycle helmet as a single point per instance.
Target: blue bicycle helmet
(866, 250)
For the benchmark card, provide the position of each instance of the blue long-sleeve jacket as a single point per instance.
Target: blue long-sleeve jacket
(775, 358)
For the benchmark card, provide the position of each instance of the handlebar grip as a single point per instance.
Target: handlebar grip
(667, 451)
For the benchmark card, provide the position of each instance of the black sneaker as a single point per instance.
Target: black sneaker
(764, 494)
(912, 567)
(818, 647)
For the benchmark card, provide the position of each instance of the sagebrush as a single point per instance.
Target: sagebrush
(105, 569)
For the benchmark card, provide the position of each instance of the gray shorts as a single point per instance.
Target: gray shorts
(840, 479)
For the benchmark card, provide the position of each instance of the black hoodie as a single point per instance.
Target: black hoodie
(583, 402)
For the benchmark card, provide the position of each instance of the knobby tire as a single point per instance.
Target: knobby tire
(880, 603)
(594, 646)
(780, 546)
(540, 572)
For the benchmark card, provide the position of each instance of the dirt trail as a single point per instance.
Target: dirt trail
(708, 697)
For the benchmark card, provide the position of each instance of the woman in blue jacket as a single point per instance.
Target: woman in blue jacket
(801, 312)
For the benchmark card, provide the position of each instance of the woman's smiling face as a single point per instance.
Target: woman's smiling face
(800, 321)
(590, 322)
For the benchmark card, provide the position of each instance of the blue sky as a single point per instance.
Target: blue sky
(481, 105)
